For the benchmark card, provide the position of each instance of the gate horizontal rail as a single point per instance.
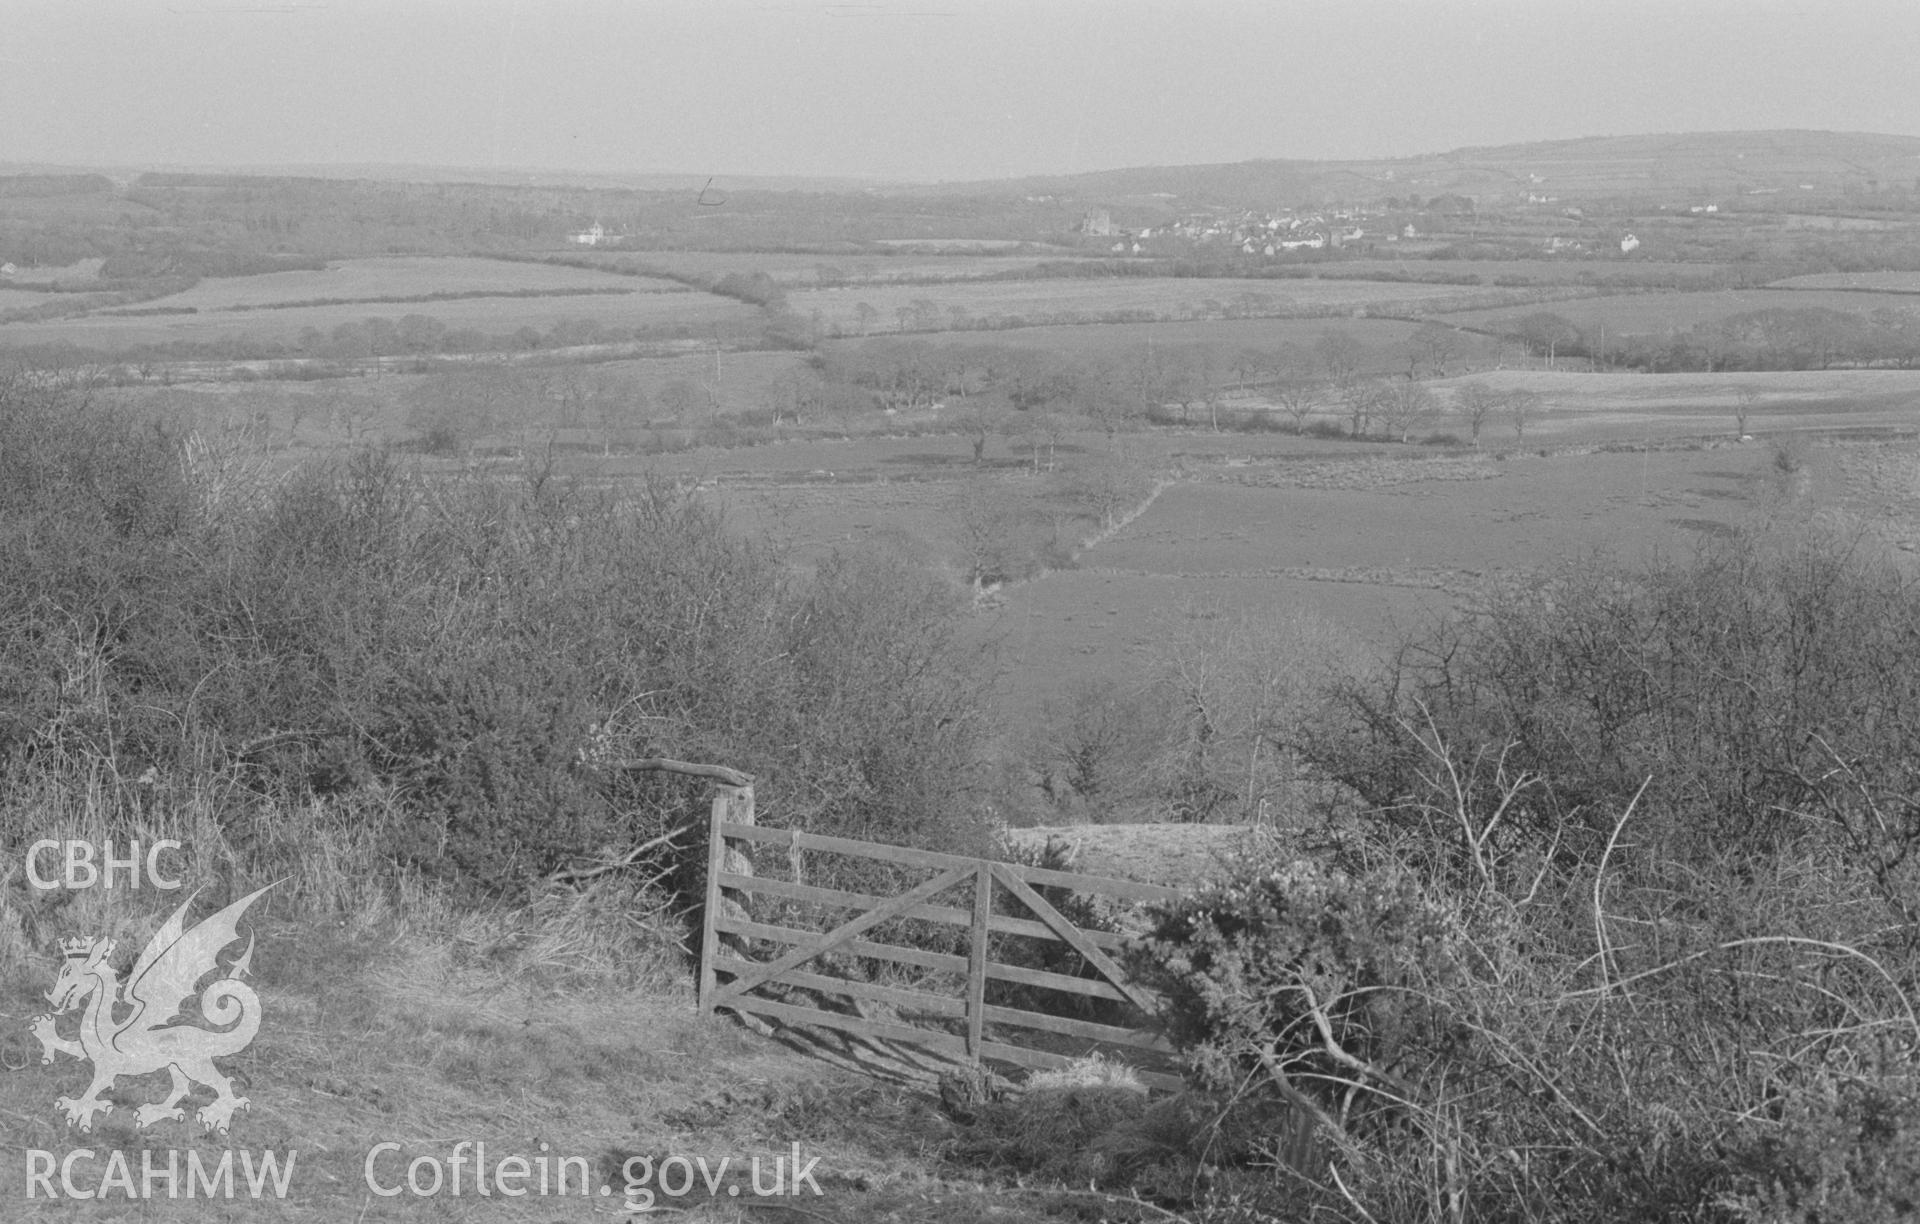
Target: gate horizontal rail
(730, 924)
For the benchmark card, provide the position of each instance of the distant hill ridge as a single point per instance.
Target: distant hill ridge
(1662, 168)
(1680, 165)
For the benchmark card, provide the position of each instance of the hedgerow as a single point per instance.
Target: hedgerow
(475, 647)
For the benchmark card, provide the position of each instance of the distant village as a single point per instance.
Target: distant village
(1275, 233)
(1255, 233)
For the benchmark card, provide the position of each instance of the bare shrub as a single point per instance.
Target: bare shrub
(1097, 745)
(454, 646)
(1629, 930)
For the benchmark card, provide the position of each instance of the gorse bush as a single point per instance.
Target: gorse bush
(471, 646)
(1627, 933)
(1254, 965)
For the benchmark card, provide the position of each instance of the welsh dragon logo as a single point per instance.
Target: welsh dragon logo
(144, 1041)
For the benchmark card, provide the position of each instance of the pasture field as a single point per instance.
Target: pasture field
(1364, 564)
(807, 522)
(495, 315)
(1477, 516)
(811, 271)
(1576, 407)
(1161, 297)
(80, 272)
(1098, 623)
(738, 381)
(985, 245)
(850, 461)
(1643, 313)
(1371, 538)
(354, 280)
(1622, 273)
(1877, 282)
(1384, 342)
(17, 299)
(313, 417)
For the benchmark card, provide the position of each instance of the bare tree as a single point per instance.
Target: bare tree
(1340, 355)
(1031, 381)
(617, 415)
(1111, 411)
(1099, 741)
(1404, 406)
(1049, 428)
(1243, 689)
(680, 397)
(1434, 346)
(997, 531)
(1475, 402)
(1361, 400)
(1108, 485)
(453, 411)
(1521, 407)
(1548, 333)
(1299, 400)
(979, 418)
(1252, 366)
(1744, 398)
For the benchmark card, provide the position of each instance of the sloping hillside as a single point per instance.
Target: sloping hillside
(1691, 164)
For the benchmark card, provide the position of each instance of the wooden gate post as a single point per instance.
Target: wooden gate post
(977, 963)
(731, 805)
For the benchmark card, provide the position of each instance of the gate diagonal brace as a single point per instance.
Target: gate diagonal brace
(767, 971)
(1064, 928)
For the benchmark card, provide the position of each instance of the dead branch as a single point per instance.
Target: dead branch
(632, 856)
(719, 773)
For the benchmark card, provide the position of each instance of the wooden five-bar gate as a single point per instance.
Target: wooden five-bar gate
(732, 933)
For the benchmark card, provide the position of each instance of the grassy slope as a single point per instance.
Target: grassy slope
(425, 1043)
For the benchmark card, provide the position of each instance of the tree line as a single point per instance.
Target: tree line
(1774, 338)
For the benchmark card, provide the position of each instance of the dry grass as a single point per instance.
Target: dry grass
(564, 1028)
(423, 1027)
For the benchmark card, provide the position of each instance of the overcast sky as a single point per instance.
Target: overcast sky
(923, 89)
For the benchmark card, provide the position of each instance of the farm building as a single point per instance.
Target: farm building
(1098, 224)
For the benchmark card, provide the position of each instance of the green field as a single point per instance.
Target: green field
(1611, 272)
(1878, 282)
(1040, 301)
(1644, 313)
(1629, 407)
(400, 276)
(1371, 539)
(1384, 342)
(807, 271)
(81, 272)
(495, 315)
